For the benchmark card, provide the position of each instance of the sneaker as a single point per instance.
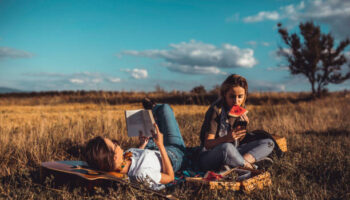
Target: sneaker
(264, 163)
(224, 169)
(243, 174)
(148, 104)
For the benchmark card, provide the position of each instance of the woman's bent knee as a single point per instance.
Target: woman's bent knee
(227, 147)
(264, 148)
(231, 155)
(269, 143)
(165, 109)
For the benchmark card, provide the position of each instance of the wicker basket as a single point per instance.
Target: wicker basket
(214, 185)
(259, 180)
(281, 141)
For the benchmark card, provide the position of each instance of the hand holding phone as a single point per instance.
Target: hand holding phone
(240, 125)
(240, 130)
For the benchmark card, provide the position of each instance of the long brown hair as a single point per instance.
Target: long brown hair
(98, 155)
(234, 80)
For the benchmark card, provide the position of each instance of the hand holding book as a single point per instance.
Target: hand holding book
(143, 140)
(139, 121)
(157, 136)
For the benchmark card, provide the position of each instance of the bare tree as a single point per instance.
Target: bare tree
(199, 90)
(158, 88)
(314, 56)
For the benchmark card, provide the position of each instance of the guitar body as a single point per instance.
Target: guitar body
(78, 173)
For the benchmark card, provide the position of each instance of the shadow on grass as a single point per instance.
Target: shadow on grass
(26, 184)
(270, 100)
(329, 133)
(321, 163)
(72, 148)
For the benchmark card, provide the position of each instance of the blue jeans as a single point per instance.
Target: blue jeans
(228, 154)
(173, 142)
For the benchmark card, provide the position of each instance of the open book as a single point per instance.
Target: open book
(139, 121)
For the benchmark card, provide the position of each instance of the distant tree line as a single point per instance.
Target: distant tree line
(196, 96)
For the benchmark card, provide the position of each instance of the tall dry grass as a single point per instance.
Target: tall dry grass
(315, 167)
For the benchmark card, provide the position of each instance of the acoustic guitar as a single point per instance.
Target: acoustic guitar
(78, 173)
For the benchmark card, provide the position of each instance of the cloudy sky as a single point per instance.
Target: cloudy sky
(137, 45)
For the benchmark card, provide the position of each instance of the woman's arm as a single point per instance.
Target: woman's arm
(167, 174)
(143, 141)
(244, 117)
(211, 142)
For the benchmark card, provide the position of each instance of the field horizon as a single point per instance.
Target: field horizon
(55, 127)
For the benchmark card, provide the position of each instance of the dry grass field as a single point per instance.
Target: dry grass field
(316, 166)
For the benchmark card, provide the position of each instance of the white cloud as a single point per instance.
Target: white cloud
(280, 68)
(200, 56)
(255, 43)
(96, 80)
(115, 80)
(278, 53)
(76, 80)
(252, 43)
(263, 15)
(45, 74)
(346, 67)
(266, 44)
(262, 85)
(187, 69)
(347, 56)
(326, 9)
(6, 52)
(233, 18)
(283, 51)
(137, 73)
(335, 13)
(88, 79)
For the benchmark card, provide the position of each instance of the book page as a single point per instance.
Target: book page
(138, 120)
(148, 122)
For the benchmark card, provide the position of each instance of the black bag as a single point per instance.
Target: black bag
(261, 134)
(192, 158)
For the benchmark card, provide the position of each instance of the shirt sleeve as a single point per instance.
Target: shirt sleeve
(209, 125)
(212, 123)
(149, 177)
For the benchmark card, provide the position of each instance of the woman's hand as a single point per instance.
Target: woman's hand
(143, 140)
(244, 117)
(240, 134)
(157, 136)
(236, 135)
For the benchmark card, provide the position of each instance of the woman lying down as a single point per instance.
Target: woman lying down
(153, 163)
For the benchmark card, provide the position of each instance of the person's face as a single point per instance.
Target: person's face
(118, 152)
(235, 96)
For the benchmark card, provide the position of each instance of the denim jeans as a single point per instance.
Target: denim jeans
(228, 154)
(173, 142)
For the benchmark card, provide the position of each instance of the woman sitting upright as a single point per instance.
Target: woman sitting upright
(218, 138)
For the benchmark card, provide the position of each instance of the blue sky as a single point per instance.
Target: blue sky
(136, 45)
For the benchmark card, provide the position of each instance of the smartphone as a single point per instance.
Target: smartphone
(240, 125)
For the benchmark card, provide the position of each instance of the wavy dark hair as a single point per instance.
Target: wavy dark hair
(234, 80)
(98, 155)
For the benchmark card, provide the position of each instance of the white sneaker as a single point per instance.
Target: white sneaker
(264, 163)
